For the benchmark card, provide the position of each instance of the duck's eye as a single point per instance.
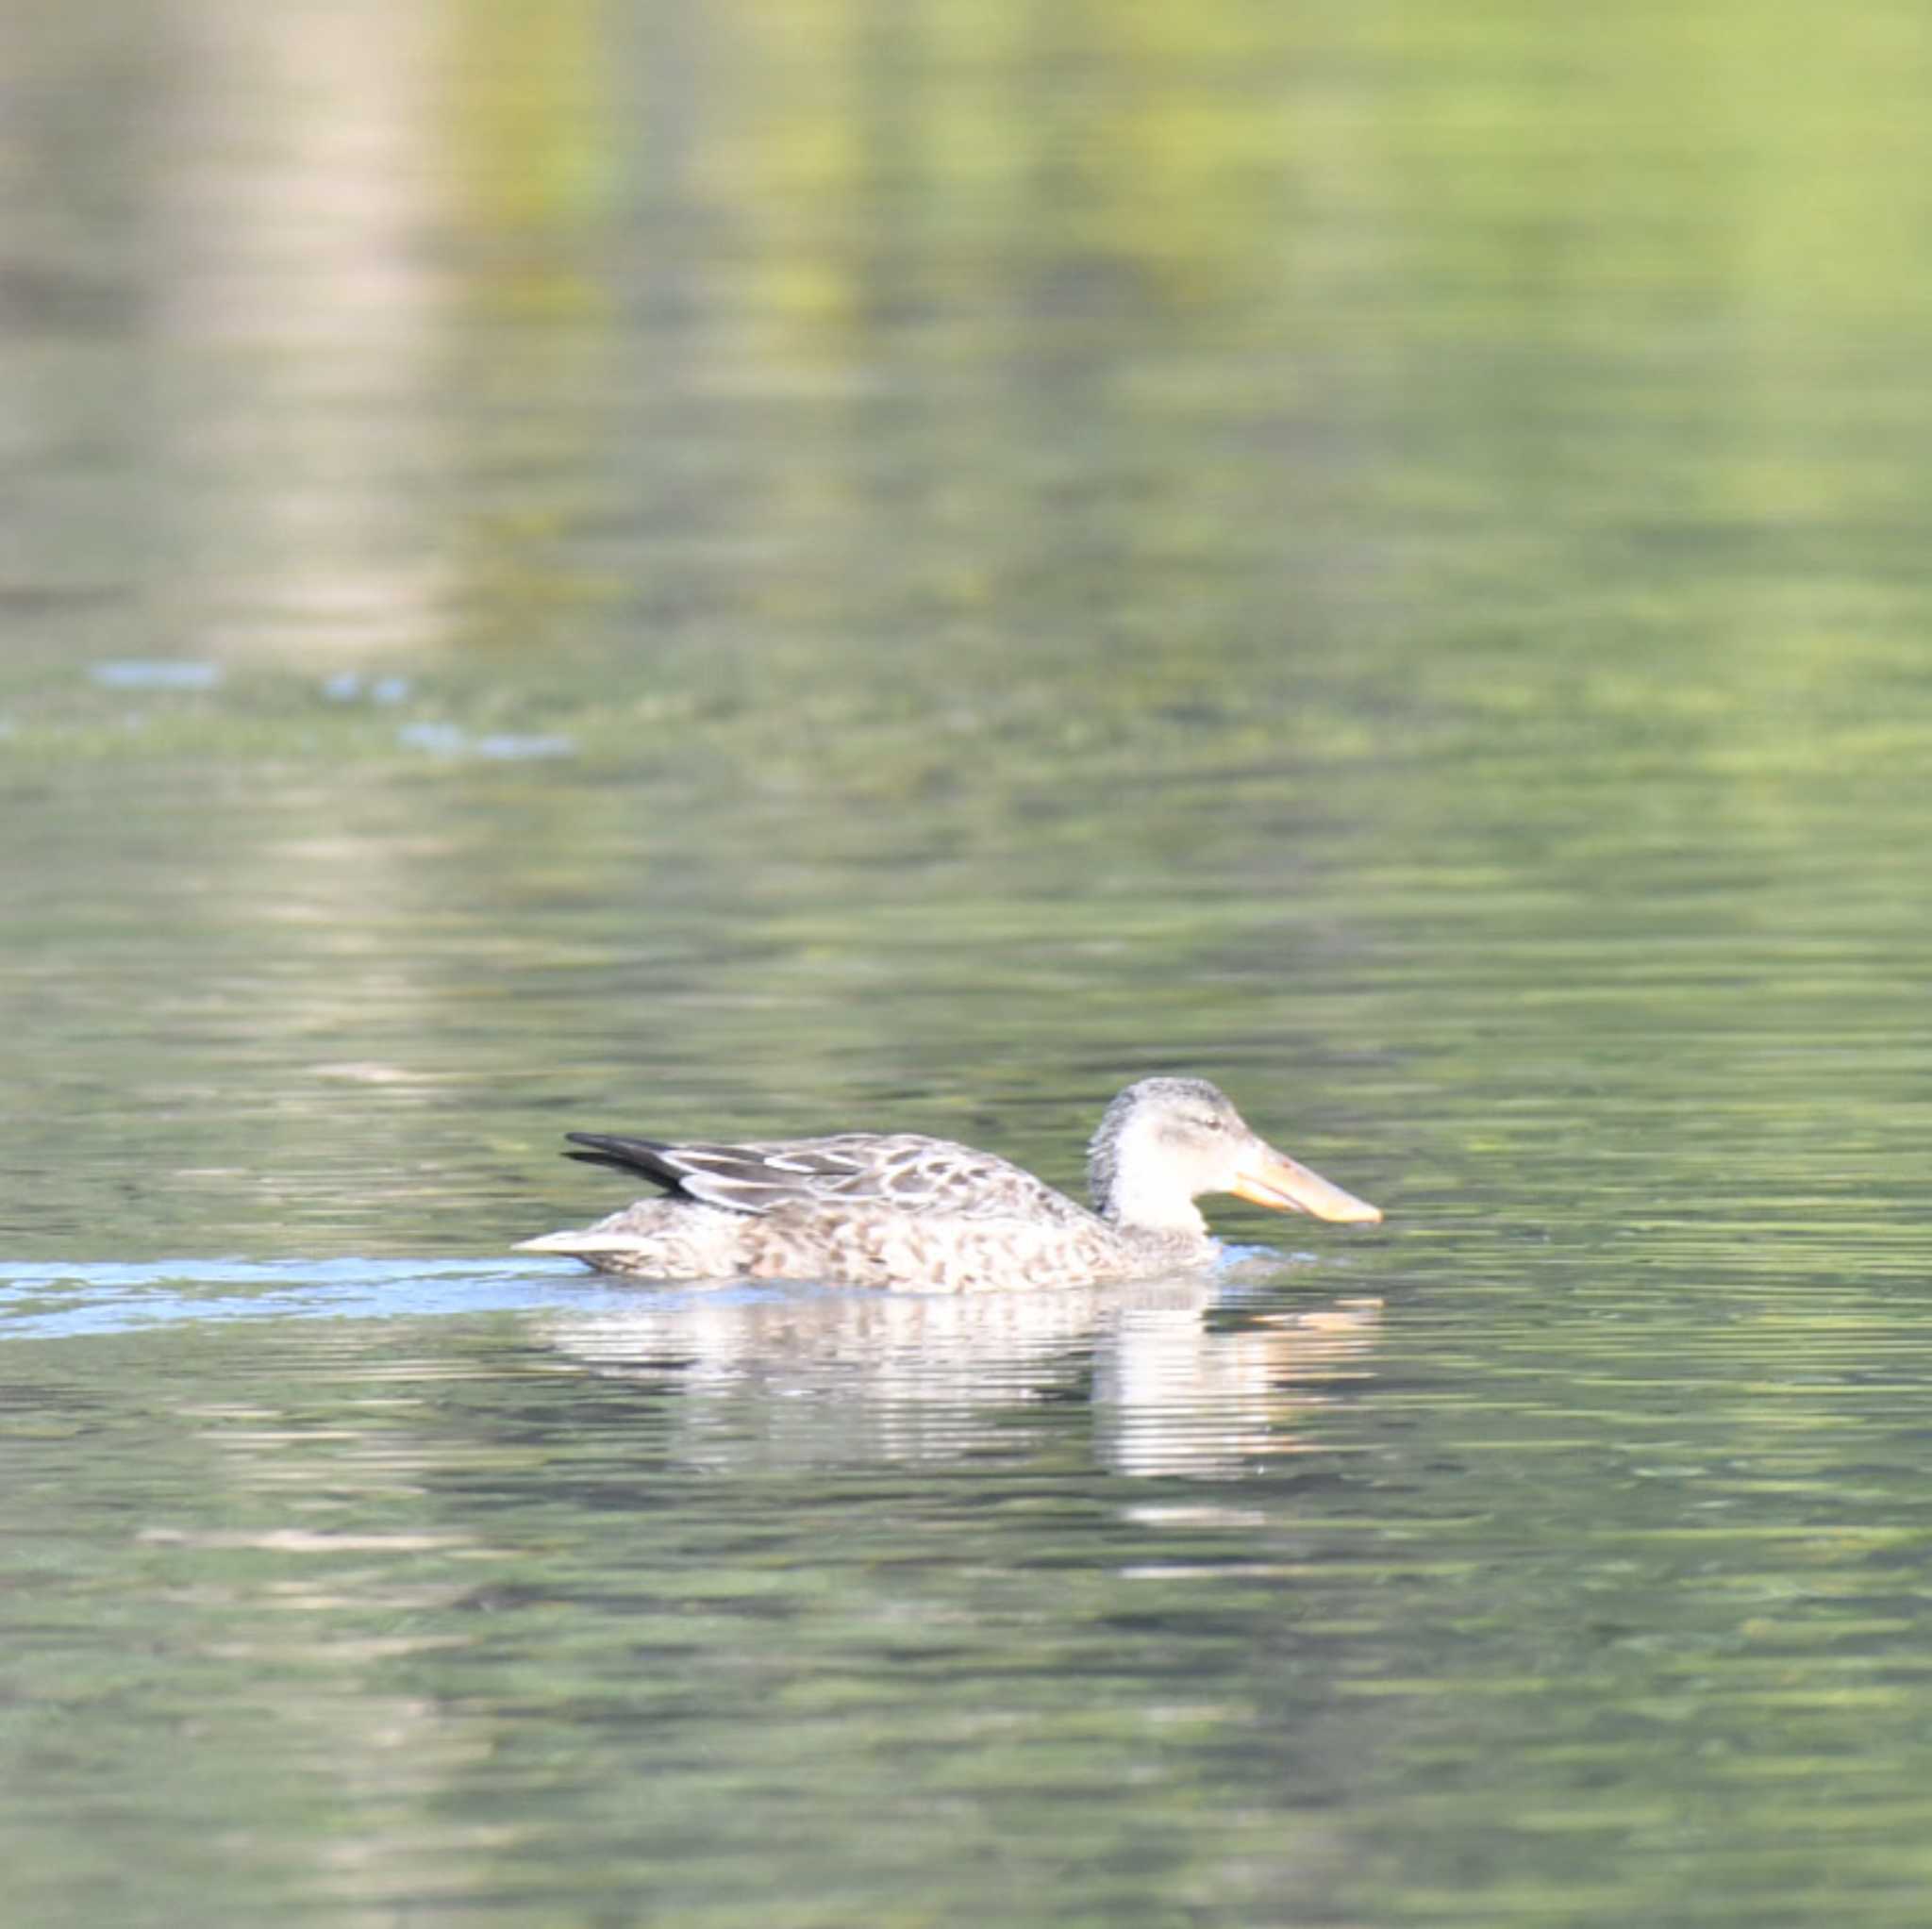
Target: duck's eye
(1208, 1121)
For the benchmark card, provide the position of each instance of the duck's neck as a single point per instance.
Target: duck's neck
(1134, 1186)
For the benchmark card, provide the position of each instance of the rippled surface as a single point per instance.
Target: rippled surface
(758, 570)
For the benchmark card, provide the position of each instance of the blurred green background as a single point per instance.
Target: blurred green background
(759, 567)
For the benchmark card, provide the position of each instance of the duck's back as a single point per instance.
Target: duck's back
(876, 1175)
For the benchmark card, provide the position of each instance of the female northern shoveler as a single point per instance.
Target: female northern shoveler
(897, 1209)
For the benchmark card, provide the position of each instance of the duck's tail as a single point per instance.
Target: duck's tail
(579, 1243)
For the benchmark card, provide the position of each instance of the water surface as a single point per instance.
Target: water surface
(839, 567)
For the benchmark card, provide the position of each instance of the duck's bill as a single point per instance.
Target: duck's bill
(1285, 1185)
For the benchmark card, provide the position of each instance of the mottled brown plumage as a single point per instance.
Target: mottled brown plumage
(899, 1209)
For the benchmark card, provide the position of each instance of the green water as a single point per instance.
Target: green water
(755, 569)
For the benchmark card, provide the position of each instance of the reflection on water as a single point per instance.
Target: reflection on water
(801, 1379)
(1180, 1379)
(1179, 1397)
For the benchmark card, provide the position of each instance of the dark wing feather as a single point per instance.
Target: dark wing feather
(760, 1178)
(745, 1178)
(645, 1156)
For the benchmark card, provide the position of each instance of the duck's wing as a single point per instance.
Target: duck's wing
(901, 1172)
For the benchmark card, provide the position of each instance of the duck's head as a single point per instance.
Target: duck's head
(1165, 1142)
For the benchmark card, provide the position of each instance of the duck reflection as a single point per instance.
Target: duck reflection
(1180, 1380)
(1181, 1395)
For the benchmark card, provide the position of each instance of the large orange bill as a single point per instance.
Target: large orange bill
(1273, 1179)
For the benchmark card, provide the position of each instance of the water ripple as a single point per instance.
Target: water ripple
(50, 1300)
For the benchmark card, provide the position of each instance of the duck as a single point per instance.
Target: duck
(903, 1211)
